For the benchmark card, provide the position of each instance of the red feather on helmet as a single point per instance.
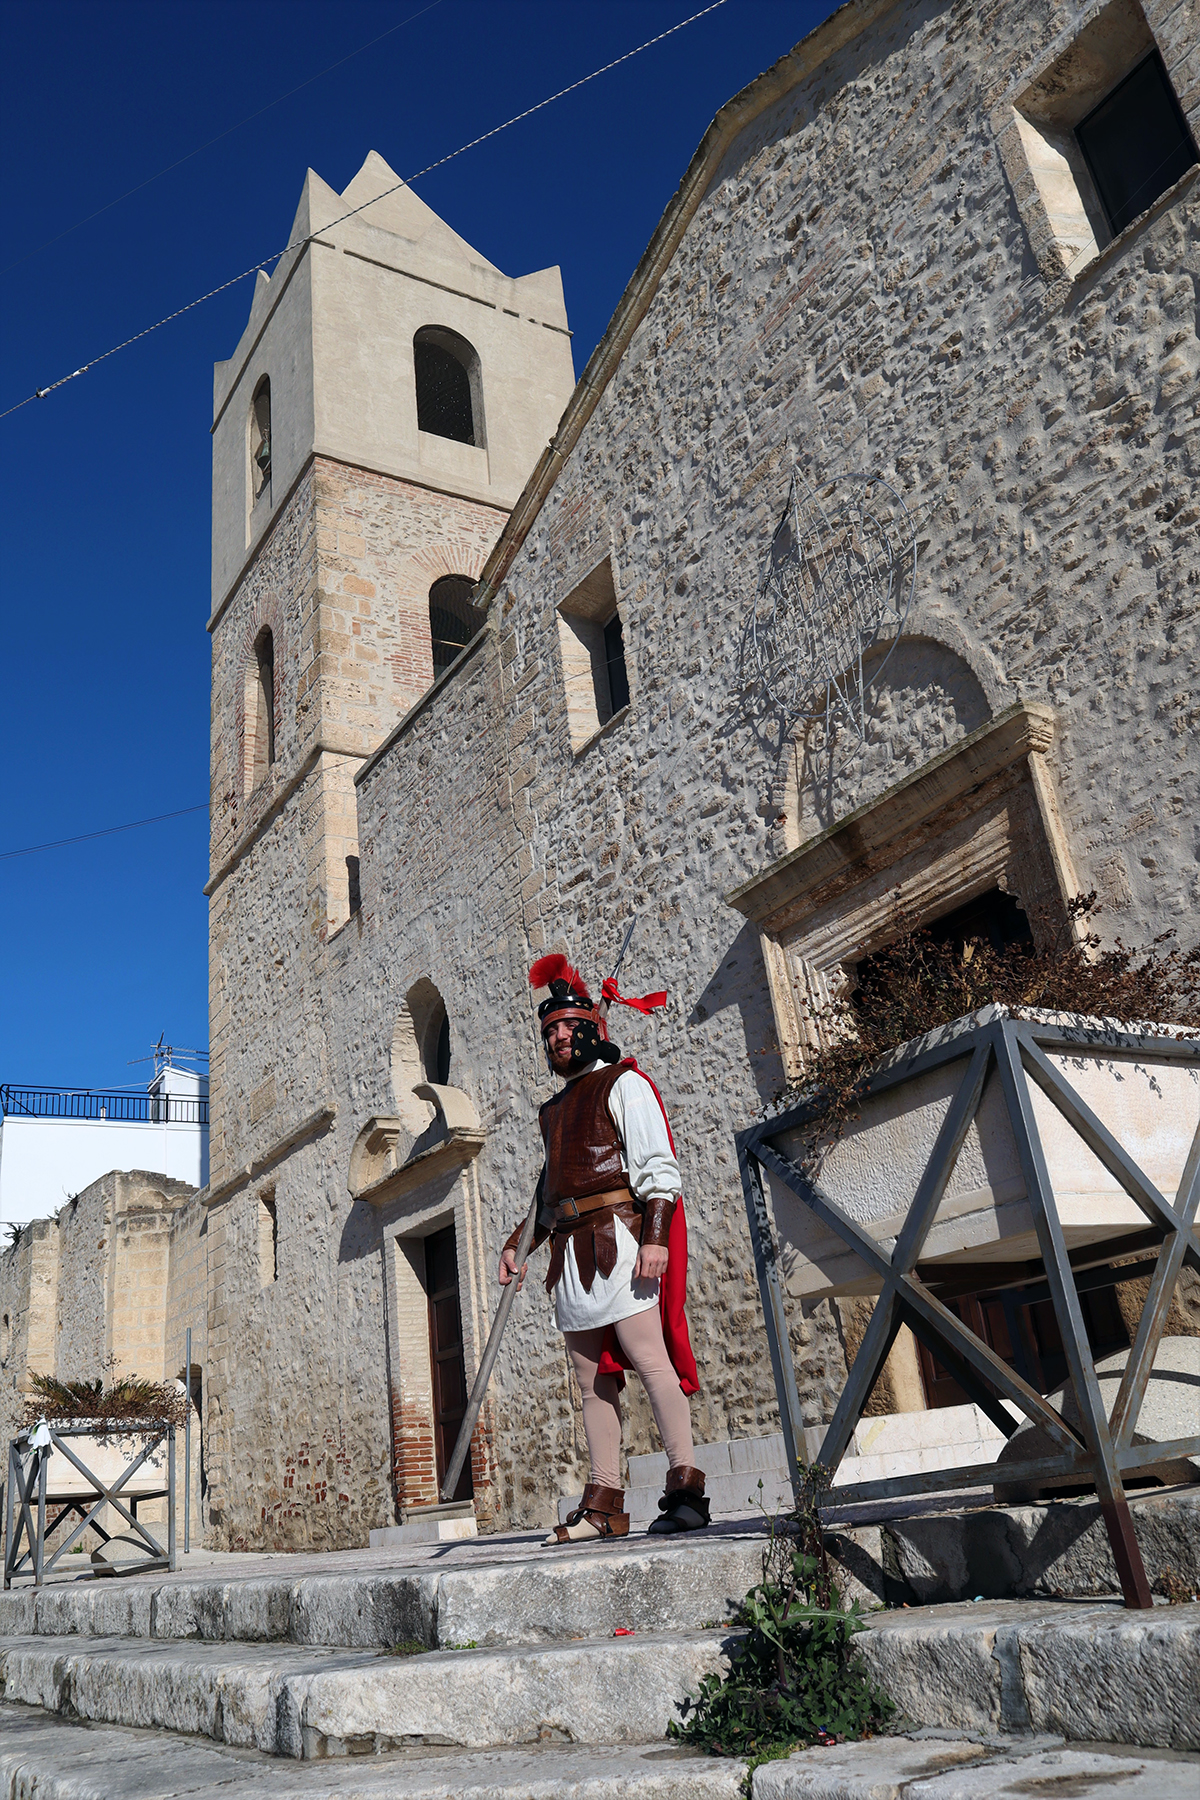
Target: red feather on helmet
(556, 968)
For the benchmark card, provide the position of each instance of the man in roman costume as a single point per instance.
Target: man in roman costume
(609, 1202)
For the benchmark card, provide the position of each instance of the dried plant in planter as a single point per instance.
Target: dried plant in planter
(797, 1677)
(126, 1404)
(917, 984)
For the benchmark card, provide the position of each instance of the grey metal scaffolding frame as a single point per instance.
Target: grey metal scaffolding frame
(1102, 1450)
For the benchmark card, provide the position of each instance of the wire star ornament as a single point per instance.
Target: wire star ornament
(837, 584)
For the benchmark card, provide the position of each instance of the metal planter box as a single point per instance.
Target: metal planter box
(1003, 1144)
(62, 1471)
(1150, 1104)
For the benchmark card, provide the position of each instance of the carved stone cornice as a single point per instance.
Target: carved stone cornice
(1022, 732)
(454, 1151)
(376, 1176)
(317, 1121)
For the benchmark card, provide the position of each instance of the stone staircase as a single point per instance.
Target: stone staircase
(491, 1670)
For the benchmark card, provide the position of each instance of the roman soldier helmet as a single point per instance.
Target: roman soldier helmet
(568, 1002)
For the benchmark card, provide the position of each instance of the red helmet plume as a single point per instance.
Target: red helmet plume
(549, 969)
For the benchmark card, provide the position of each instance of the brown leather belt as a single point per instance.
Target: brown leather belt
(569, 1212)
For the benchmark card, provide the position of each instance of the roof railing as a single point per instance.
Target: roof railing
(85, 1103)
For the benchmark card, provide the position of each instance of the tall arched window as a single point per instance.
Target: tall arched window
(453, 619)
(420, 1052)
(449, 393)
(260, 440)
(435, 1051)
(260, 710)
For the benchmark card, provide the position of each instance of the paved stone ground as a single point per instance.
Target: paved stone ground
(498, 1547)
(44, 1758)
(945, 1766)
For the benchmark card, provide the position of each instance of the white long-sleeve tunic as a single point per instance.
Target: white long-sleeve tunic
(650, 1164)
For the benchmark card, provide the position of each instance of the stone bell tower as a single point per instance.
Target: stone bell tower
(388, 399)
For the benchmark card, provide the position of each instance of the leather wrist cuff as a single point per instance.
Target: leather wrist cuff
(656, 1224)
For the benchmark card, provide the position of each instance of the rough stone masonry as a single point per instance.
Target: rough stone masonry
(882, 258)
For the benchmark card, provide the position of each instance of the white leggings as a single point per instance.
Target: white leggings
(641, 1341)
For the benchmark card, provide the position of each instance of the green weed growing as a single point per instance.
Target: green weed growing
(797, 1678)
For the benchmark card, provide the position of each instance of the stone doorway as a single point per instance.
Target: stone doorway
(446, 1362)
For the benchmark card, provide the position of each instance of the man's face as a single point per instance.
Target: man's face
(558, 1045)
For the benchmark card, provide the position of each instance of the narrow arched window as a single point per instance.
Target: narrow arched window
(420, 1051)
(453, 619)
(260, 710)
(449, 394)
(260, 439)
(435, 1051)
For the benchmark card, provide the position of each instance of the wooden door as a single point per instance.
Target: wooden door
(1025, 1333)
(446, 1354)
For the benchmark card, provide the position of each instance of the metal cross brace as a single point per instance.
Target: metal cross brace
(21, 1482)
(1101, 1448)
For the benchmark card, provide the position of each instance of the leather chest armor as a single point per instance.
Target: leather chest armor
(583, 1151)
(583, 1161)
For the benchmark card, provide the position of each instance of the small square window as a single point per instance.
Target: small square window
(1094, 139)
(1136, 142)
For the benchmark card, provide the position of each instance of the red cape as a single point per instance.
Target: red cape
(672, 1293)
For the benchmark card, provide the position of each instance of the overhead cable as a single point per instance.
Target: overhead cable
(109, 830)
(43, 392)
(228, 132)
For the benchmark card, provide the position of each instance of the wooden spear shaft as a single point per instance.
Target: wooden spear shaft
(492, 1349)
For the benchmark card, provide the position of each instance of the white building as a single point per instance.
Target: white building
(54, 1142)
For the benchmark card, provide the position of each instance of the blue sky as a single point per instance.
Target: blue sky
(104, 561)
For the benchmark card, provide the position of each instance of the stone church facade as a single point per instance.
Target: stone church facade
(891, 255)
(887, 255)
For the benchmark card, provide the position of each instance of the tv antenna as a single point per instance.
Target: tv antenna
(164, 1055)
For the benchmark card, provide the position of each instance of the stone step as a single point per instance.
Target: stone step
(729, 1496)
(286, 1701)
(523, 1595)
(732, 1495)
(946, 1437)
(890, 1463)
(1089, 1672)
(941, 1428)
(927, 1767)
(962, 1433)
(56, 1760)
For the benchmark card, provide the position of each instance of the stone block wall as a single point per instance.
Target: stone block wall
(105, 1289)
(858, 289)
(29, 1274)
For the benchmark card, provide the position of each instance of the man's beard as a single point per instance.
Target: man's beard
(560, 1061)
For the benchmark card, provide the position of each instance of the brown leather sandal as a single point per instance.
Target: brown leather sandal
(601, 1509)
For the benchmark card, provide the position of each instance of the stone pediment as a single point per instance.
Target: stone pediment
(386, 1163)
